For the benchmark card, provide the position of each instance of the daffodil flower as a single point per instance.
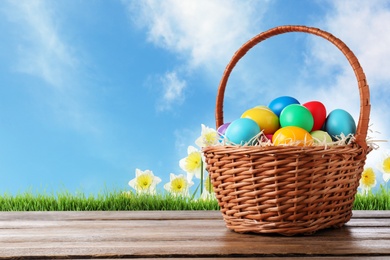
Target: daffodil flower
(178, 185)
(368, 180)
(193, 163)
(208, 185)
(206, 195)
(144, 182)
(208, 192)
(384, 167)
(208, 137)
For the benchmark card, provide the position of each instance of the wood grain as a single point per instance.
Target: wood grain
(179, 234)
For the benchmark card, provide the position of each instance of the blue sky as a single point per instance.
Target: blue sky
(92, 90)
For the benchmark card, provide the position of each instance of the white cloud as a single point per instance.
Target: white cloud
(42, 53)
(202, 33)
(173, 90)
(363, 26)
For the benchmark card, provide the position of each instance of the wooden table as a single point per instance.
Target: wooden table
(180, 234)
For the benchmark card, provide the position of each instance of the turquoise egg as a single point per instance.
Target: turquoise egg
(242, 130)
(340, 122)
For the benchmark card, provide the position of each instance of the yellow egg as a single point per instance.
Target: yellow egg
(265, 118)
(263, 107)
(292, 135)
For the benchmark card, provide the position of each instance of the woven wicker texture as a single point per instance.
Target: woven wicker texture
(288, 189)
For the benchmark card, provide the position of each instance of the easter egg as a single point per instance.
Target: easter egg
(292, 135)
(242, 130)
(265, 118)
(321, 137)
(279, 103)
(296, 115)
(263, 107)
(266, 138)
(318, 111)
(222, 128)
(340, 122)
(269, 137)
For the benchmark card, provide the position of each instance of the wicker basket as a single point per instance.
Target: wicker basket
(288, 189)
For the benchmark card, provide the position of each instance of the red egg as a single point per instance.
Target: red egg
(318, 111)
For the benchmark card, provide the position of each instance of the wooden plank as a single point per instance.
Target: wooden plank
(271, 258)
(371, 214)
(129, 215)
(176, 234)
(274, 258)
(107, 215)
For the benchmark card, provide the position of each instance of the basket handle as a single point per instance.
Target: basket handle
(362, 127)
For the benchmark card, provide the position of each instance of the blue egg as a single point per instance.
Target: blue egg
(340, 122)
(242, 130)
(279, 103)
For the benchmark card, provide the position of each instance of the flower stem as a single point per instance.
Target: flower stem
(193, 194)
(210, 189)
(201, 177)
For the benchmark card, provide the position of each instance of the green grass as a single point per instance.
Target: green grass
(115, 201)
(380, 200)
(108, 201)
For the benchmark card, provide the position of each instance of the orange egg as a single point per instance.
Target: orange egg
(292, 135)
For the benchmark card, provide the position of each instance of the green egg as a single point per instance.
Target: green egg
(297, 115)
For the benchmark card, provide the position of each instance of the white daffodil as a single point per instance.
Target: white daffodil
(207, 195)
(208, 192)
(368, 180)
(144, 182)
(193, 163)
(178, 185)
(208, 185)
(384, 167)
(208, 137)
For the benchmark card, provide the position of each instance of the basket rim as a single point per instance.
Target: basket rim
(365, 107)
(293, 149)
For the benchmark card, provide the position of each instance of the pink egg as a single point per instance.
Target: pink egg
(269, 137)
